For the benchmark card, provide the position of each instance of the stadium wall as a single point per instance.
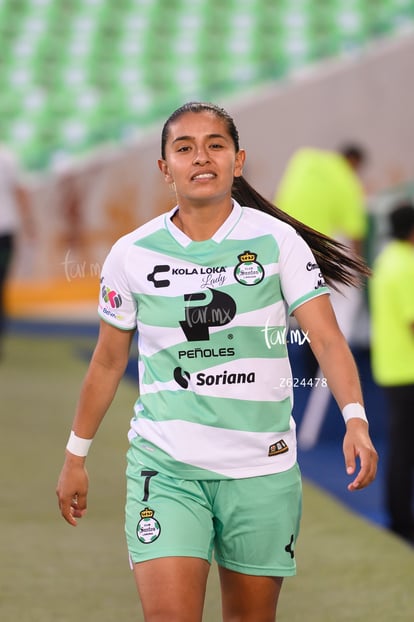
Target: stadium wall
(81, 208)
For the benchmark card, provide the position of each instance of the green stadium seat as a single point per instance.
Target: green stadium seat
(77, 72)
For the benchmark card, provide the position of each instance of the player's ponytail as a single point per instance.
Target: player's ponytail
(337, 262)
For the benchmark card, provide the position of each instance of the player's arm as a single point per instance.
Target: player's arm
(317, 319)
(104, 373)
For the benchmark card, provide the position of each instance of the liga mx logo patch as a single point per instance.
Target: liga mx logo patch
(148, 528)
(111, 296)
(248, 271)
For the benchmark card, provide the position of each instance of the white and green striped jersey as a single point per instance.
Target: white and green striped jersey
(214, 399)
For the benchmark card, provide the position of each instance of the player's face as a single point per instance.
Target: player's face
(200, 159)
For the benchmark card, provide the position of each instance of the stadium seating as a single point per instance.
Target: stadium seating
(74, 73)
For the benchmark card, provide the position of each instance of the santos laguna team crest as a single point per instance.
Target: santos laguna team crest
(248, 271)
(148, 528)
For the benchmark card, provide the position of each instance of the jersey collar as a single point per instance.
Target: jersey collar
(221, 233)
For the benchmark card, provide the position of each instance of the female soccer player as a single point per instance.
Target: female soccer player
(212, 458)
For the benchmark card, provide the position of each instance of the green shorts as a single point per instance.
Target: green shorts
(252, 524)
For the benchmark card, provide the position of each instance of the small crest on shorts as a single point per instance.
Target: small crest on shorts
(280, 447)
(148, 528)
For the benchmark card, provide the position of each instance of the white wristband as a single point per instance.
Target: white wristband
(77, 445)
(354, 411)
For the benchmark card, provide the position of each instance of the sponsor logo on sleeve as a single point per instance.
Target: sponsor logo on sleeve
(320, 282)
(111, 296)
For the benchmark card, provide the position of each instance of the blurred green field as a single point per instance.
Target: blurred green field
(348, 569)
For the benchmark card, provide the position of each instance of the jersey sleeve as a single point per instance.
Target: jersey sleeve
(300, 276)
(117, 304)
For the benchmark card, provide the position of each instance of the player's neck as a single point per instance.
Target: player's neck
(200, 222)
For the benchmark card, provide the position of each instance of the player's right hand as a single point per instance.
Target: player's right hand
(72, 488)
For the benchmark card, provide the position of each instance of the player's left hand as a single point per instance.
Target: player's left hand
(358, 444)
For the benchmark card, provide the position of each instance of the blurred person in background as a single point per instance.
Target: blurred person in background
(392, 348)
(322, 189)
(212, 459)
(15, 216)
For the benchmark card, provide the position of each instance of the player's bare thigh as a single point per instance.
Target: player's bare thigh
(248, 598)
(172, 589)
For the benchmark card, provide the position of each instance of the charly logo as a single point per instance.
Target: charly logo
(289, 547)
(218, 310)
(148, 528)
(111, 296)
(211, 275)
(159, 270)
(248, 271)
(182, 378)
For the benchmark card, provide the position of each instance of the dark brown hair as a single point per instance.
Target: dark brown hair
(336, 261)
(401, 220)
